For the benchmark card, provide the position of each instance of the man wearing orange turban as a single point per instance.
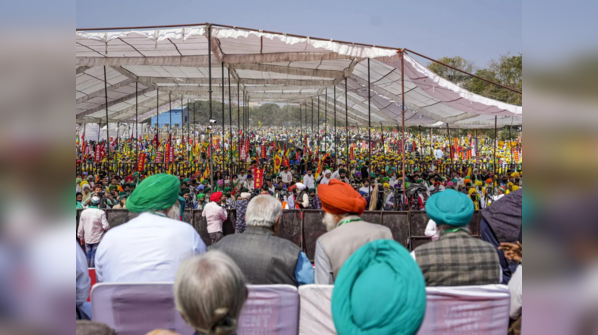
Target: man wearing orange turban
(347, 232)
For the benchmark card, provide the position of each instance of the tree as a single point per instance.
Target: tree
(454, 76)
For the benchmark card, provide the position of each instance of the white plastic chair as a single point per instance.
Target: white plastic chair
(316, 311)
(270, 309)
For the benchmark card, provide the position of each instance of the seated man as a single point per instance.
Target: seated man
(347, 232)
(264, 258)
(457, 258)
(150, 247)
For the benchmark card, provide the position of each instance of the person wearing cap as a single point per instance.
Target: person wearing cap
(215, 217)
(457, 258)
(347, 232)
(150, 247)
(92, 226)
(200, 202)
(379, 290)
(264, 258)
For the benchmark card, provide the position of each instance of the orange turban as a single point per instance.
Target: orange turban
(340, 198)
(467, 181)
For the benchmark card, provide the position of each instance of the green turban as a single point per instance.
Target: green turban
(205, 182)
(201, 195)
(450, 208)
(227, 189)
(78, 181)
(186, 180)
(156, 193)
(379, 290)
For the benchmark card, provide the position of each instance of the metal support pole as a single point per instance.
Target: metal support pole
(495, 141)
(300, 124)
(346, 124)
(107, 123)
(326, 120)
(312, 117)
(230, 125)
(211, 165)
(223, 124)
(335, 144)
(369, 128)
(136, 123)
(318, 134)
(170, 112)
(448, 134)
(403, 142)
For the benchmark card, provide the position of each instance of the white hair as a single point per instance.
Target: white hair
(210, 292)
(174, 212)
(263, 211)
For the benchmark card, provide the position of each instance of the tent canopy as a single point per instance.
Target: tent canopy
(167, 67)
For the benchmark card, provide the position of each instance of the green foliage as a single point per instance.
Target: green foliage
(507, 71)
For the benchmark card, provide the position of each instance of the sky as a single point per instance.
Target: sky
(476, 30)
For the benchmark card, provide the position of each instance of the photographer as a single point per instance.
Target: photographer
(98, 191)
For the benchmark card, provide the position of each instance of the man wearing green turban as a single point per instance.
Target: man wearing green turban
(379, 290)
(150, 247)
(457, 258)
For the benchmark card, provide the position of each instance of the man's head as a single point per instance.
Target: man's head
(342, 173)
(79, 197)
(311, 192)
(309, 172)
(227, 192)
(366, 183)
(450, 208)
(158, 193)
(263, 211)
(98, 188)
(338, 201)
(328, 174)
(216, 197)
(210, 292)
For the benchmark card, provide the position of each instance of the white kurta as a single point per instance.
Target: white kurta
(149, 248)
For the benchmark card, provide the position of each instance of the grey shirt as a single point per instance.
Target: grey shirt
(336, 246)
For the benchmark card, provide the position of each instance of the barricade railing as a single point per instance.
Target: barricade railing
(303, 228)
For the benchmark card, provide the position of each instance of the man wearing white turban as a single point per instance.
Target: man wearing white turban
(326, 177)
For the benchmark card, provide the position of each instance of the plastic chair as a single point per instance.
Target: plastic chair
(270, 309)
(467, 310)
(316, 310)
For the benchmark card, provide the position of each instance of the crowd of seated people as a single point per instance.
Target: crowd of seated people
(379, 287)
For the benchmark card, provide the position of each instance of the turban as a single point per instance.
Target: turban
(515, 175)
(186, 180)
(301, 186)
(156, 193)
(379, 290)
(78, 181)
(327, 172)
(201, 195)
(227, 189)
(471, 191)
(205, 182)
(478, 183)
(467, 181)
(515, 188)
(216, 196)
(311, 190)
(450, 183)
(489, 181)
(340, 198)
(455, 181)
(451, 208)
(249, 176)
(245, 195)
(200, 188)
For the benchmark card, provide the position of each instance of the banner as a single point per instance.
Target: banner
(171, 154)
(98, 156)
(285, 162)
(158, 157)
(166, 154)
(141, 162)
(155, 141)
(263, 151)
(352, 153)
(258, 180)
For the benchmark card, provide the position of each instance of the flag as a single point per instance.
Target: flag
(277, 163)
(155, 141)
(206, 173)
(260, 123)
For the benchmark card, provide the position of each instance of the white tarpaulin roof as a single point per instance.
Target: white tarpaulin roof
(171, 64)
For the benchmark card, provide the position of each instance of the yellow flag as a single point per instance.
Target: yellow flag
(260, 122)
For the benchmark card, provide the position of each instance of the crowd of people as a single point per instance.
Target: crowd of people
(283, 165)
(360, 259)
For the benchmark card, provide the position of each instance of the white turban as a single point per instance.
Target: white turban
(300, 186)
(245, 195)
(327, 172)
